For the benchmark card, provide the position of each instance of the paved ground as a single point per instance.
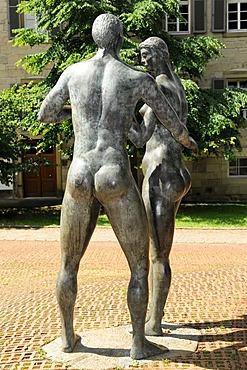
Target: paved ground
(208, 292)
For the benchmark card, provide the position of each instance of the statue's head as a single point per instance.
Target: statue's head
(107, 32)
(154, 50)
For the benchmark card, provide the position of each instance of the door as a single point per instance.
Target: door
(42, 183)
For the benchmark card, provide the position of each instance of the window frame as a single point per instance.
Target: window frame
(27, 17)
(18, 18)
(238, 167)
(218, 83)
(22, 20)
(238, 29)
(180, 22)
(238, 83)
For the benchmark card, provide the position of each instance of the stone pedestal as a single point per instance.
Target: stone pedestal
(109, 348)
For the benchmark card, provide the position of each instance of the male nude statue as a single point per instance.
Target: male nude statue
(166, 179)
(103, 92)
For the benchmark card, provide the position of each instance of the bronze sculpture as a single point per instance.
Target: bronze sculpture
(166, 178)
(103, 92)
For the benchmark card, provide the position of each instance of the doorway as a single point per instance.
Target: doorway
(42, 183)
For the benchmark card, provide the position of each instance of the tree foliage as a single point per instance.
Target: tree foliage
(73, 43)
(214, 119)
(19, 105)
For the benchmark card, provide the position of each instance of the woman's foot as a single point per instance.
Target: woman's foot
(153, 330)
(148, 349)
(70, 344)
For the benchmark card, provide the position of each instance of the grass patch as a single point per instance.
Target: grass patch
(37, 217)
(103, 220)
(218, 215)
(34, 217)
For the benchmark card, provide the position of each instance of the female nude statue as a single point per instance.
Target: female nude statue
(166, 179)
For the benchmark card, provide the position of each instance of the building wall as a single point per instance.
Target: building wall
(9, 73)
(210, 182)
(210, 176)
(233, 64)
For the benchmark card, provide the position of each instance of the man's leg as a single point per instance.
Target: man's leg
(128, 219)
(78, 220)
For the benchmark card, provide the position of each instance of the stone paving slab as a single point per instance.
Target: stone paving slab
(104, 349)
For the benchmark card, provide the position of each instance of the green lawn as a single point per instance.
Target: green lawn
(189, 215)
(217, 215)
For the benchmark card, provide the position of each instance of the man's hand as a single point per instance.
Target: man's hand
(182, 137)
(190, 143)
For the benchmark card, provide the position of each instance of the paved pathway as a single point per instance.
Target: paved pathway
(208, 292)
(220, 236)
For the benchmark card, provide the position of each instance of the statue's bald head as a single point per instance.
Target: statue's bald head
(107, 31)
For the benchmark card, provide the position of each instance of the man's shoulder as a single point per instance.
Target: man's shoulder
(77, 68)
(139, 74)
(166, 82)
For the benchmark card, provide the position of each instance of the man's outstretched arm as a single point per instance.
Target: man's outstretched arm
(52, 109)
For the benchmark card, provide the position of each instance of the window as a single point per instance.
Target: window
(236, 12)
(237, 15)
(176, 25)
(238, 167)
(218, 83)
(30, 21)
(17, 20)
(14, 17)
(237, 84)
(244, 113)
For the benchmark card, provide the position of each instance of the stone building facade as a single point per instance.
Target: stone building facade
(214, 179)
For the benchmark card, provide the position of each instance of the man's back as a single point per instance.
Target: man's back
(103, 93)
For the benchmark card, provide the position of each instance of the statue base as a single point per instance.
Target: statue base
(109, 348)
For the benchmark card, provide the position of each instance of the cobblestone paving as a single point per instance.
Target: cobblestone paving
(208, 292)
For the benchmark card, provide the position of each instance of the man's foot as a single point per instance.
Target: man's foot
(70, 345)
(149, 349)
(153, 330)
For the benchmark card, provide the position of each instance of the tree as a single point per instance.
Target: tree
(217, 132)
(18, 104)
(215, 119)
(73, 43)
(10, 139)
